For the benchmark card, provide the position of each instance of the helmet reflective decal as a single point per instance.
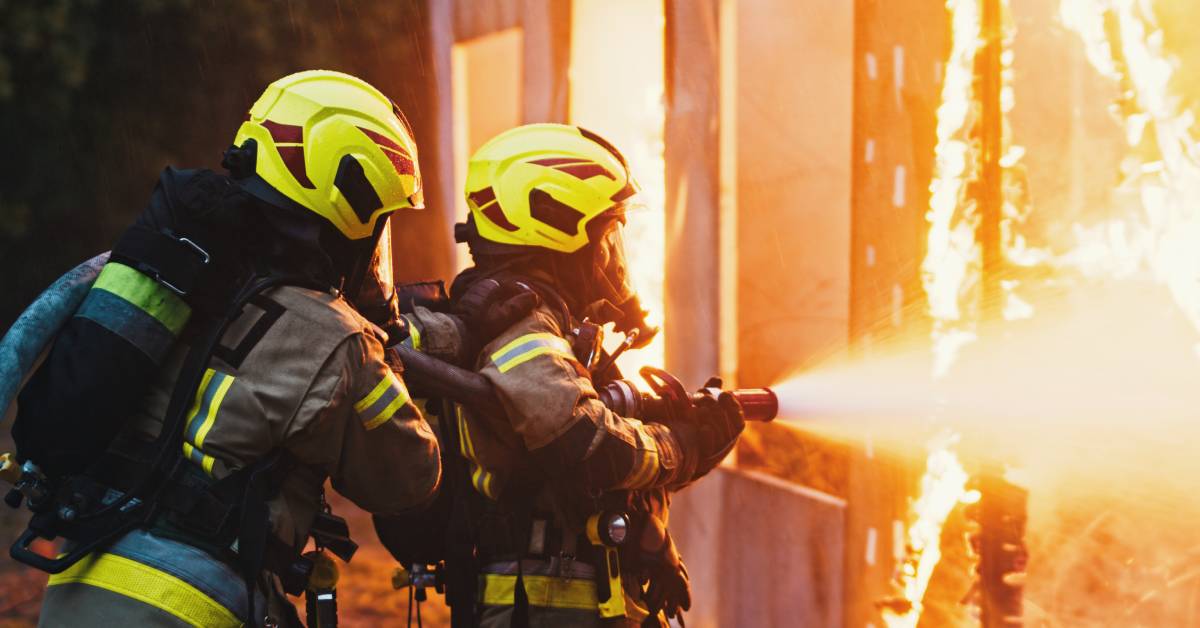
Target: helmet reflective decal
(284, 133)
(289, 141)
(395, 153)
(581, 169)
(485, 202)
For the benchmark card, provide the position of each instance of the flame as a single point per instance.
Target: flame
(951, 274)
(634, 123)
(942, 488)
(1156, 237)
(952, 261)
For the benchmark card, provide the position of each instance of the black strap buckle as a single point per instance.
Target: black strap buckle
(205, 258)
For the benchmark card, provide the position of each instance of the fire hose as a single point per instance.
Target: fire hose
(430, 377)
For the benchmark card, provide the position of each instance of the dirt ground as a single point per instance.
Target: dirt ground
(365, 594)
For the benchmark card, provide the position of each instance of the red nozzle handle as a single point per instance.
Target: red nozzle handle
(758, 404)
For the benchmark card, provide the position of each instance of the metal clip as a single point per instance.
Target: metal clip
(205, 258)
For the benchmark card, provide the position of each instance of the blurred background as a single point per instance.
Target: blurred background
(960, 237)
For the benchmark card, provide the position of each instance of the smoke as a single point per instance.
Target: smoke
(1096, 403)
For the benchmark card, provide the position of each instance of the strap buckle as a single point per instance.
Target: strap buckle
(205, 258)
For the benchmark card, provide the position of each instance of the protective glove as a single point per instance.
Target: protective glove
(669, 590)
(488, 308)
(709, 430)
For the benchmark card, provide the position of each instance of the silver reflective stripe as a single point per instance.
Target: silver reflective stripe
(128, 321)
(194, 566)
(375, 409)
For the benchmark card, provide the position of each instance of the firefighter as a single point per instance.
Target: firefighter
(296, 392)
(563, 486)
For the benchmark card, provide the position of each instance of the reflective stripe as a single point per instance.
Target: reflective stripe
(213, 387)
(382, 403)
(544, 591)
(414, 334)
(646, 461)
(128, 321)
(144, 293)
(197, 567)
(376, 393)
(528, 347)
(146, 584)
(481, 479)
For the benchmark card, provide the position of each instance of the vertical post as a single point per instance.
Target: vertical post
(697, 313)
(991, 136)
(437, 163)
(1002, 505)
(990, 185)
(692, 289)
(1002, 553)
(727, 204)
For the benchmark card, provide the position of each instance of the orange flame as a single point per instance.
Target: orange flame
(952, 262)
(942, 488)
(951, 275)
(1158, 241)
(634, 123)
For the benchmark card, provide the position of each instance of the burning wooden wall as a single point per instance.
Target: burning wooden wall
(899, 53)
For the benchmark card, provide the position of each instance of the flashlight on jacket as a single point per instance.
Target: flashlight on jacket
(608, 531)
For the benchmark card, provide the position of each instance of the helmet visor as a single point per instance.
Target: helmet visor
(612, 270)
(374, 296)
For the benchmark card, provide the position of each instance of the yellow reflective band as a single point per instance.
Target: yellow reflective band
(390, 410)
(148, 585)
(487, 485)
(643, 473)
(204, 382)
(375, 393)
(477, 478)
(481, 479)
(144, 293)
(414, 334)
(206, 461)
(464, 436)
(544, 591)
(211, 392)
(528, 347)
(213, 407)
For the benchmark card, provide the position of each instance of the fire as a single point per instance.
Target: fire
(1153, 237)
(952, 261)
(1156, 237)
(952, 278)
(942, 488)
(633, 120)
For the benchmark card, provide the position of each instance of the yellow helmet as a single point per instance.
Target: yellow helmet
(541, 185)
(336, 146)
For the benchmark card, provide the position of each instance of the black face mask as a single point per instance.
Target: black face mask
(602, 283)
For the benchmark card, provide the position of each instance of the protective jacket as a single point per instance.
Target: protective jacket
(299, 374)
(557, 456)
